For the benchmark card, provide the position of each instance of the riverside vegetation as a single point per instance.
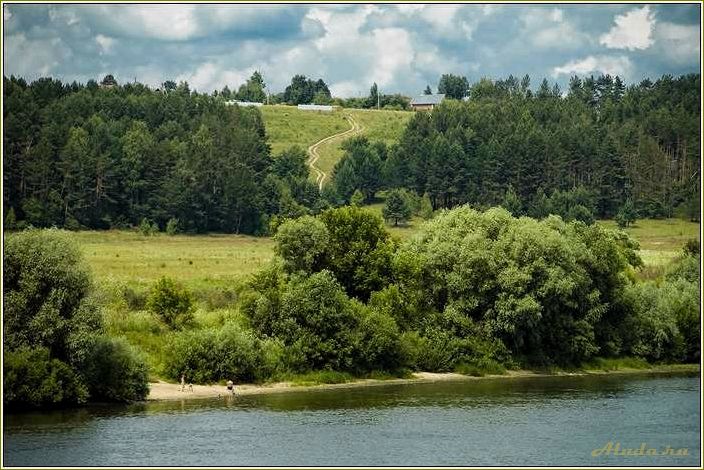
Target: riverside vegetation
(475, 289)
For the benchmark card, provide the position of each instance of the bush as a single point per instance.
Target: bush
(148, 228)
(377, 341)
(172, 302)
(172, 227)
(357, 198)
(691, 248)
(211, 355)
(32, 379)
(115, 371)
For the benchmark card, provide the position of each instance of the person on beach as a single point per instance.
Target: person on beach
(231, 387)
(183, 382)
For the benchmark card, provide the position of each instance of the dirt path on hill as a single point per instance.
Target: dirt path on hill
(320, 175)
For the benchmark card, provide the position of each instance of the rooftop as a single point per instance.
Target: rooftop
(427, 99)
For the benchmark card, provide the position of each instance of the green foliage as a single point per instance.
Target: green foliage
(357, 198)
(511, 202)
(46, 283)
(115, 371)
(172, 227)
(10, 220)
(692, 248)
(148, 228)
(454, 86)
(626, 214)
(359, 252)
(227, 353)
(302, 244)
(360, 168)
(303, 90)
(396, 207)
(666, 321)
(32, 379)
(316, 321)
(171, 302)
(517, 279)
(425, 209)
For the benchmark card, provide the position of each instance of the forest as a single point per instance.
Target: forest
(611, 143)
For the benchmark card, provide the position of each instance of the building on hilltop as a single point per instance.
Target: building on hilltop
(426, 102)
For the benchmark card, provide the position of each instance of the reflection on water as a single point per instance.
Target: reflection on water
(520, 421)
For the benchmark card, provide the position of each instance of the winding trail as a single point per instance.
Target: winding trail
(320, 175)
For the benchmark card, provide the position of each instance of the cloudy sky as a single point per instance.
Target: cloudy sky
(400, 47)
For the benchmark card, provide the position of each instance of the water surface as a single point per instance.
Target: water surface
(526, 421)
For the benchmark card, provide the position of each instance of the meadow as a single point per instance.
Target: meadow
(287, 126)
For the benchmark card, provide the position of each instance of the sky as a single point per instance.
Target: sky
(401, 47)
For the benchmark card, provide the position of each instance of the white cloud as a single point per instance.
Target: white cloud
(105, 43)
(613, 65)
(633, 30)
(680, 43)
(441, 16)
(211, 76)
(549, 29)
(6, 13)
(35, 58)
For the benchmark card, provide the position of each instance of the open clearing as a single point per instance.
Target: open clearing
(201, 260)
(287, 126)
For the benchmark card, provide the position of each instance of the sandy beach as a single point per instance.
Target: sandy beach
(172, 391)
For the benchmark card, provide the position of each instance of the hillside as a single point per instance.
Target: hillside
(287, 126)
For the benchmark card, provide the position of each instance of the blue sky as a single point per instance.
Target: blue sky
(402, 47)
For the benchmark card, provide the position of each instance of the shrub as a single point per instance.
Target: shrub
(32, 379)
(10, 220)
(115, 371)
(691, 248)
(376, 341)
(172, 302)
(148, 228)
(357, 198)
(626, 214)
(172, 226)
(206, 356)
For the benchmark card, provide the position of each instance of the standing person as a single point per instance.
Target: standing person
(183, 382)
(231, 387)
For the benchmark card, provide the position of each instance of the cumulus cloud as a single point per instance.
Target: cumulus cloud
(402, 47)
(633, 30)
(613, 65)
(105, 43)
(678, 42)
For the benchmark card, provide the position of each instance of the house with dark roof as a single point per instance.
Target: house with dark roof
(426, 102)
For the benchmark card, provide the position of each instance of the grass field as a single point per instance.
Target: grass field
(196, 260)
(660, 240)
(287, 126)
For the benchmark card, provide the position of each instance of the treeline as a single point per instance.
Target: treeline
(474, 292)
(638, 145)
(110, 156)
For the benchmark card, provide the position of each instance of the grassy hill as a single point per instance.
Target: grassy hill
(287, 126)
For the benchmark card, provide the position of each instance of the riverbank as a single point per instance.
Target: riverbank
(172, 391)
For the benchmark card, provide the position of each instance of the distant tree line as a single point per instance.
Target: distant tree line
(615, 145)
(95, 156)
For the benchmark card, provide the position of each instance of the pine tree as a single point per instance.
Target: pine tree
(396, 207)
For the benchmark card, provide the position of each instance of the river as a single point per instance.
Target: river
(521, 421)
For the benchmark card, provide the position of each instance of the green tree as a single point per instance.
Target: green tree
(359, 250)
(302, 244)
(396, 207)
(454, 86)
(171, 302)
(511, 202)
(626, 214)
